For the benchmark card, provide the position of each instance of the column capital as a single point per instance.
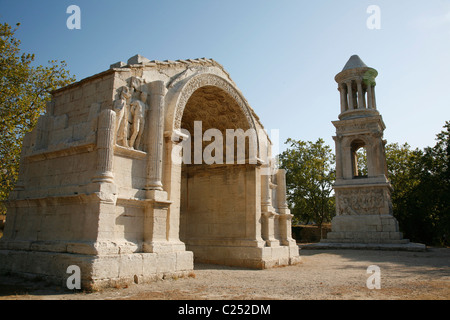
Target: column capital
(338, 138)
(158, 88)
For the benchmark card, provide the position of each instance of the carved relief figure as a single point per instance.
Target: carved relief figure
(138, 111)
(130, 116)
(121, 109)
(360, 202)
(135, 83)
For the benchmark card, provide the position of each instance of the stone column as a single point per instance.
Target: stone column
(105, 189)
(268, 228)
(351, 103)
(369, 96)
(105, 146)
(173, 170)
(266, 204)
(253, 206)
(374, 101)
(344, 102)
(285, 217)
(156, 210)
(267, 211)
(337, 141)
(347, 170)
(361, 101)
(377, 155)
(155, 138)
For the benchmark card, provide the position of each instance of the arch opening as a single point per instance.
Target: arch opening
(216, 173)
(359, 159)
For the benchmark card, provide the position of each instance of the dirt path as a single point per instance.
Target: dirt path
(331, 274)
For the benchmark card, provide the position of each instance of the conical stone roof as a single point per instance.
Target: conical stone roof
(354, 62)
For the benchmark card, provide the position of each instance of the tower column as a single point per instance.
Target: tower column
(337, 141)
(361, 101)
(374, 101)
(344, 101)
(351, 104)
(369, 96)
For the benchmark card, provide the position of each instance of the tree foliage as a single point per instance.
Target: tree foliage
(361, 156)
(309, 178)
(421, 181)
(24, 92)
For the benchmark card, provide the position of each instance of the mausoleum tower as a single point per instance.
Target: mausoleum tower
(360, 126)
(364, 214)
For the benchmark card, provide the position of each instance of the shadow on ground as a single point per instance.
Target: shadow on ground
(435, 260)
(20, 287)
(408, 275)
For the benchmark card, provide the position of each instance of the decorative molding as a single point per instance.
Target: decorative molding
(69, 151)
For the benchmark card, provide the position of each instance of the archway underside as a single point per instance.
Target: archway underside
(214, 206)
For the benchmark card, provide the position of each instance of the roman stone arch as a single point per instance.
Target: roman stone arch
(353, 144)
(102, 184)
(199, 215)
(179, 94)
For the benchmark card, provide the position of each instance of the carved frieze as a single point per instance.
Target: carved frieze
(363, 201)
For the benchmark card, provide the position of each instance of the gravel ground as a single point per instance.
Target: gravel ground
(322, 275)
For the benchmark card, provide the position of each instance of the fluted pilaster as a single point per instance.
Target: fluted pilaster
(156, 136)
(105, 146)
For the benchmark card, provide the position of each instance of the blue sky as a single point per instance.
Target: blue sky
(283, 55)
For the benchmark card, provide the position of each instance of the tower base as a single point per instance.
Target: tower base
(377, 232)
(410, 246)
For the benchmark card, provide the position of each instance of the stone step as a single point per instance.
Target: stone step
(364, 237)
(410, 246)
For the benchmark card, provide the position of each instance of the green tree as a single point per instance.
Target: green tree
(421, 183)
(361, 161)
(309, 179)
(431, 196)
(402, 164)
(24, 92)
